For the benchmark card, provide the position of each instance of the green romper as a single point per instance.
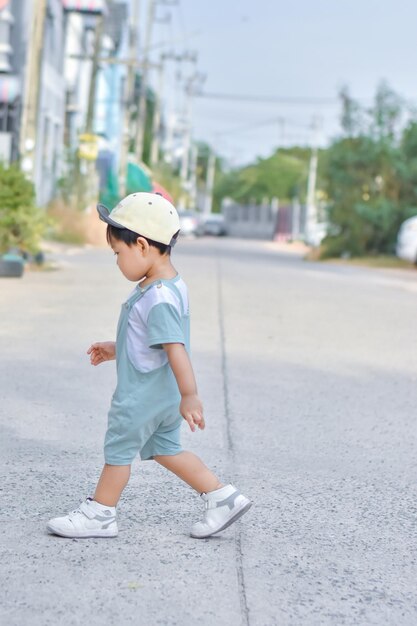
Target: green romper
(144, 413)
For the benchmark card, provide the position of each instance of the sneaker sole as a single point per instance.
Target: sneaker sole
(87, 535)
(245, 508)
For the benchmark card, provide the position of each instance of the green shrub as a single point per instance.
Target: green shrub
(22, 223)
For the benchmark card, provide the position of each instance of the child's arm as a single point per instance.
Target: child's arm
(102, 351)
(190, 408)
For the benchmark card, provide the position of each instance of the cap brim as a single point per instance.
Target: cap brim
(104, 215)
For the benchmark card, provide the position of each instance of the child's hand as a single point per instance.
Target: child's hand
(103, 351)
(192, 411)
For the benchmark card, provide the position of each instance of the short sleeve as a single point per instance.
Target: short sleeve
(164, 325)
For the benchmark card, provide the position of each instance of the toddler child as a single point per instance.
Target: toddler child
(156, 387)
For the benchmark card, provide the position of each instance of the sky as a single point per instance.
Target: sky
(304, 49)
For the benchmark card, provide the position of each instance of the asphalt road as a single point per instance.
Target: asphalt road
(308, 374)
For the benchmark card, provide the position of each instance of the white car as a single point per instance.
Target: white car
(407, 240)
(190, 223)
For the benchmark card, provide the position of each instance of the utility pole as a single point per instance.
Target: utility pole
(94, 72)
(169, 139)
(195, 79)
(211, 168)
(29, 120)
(88, 178)
(295, 222)
(311, 212)
(129, 95)
(185, 157)
(141, 115)
(156, 120)
(193, 176)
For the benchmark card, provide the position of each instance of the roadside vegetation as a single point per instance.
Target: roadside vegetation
(367, 177)
(22, 223)
(366, 184)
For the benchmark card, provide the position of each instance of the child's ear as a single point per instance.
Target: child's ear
(143, 244)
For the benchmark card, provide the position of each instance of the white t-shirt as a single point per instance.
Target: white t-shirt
(141, 348)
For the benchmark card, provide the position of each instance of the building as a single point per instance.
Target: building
(43, 106)
(11, 54)
(80, 40)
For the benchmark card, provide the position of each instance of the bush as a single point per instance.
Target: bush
(22, 223)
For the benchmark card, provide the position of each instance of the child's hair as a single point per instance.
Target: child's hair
(129, 238)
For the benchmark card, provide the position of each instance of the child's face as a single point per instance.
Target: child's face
(133, 261)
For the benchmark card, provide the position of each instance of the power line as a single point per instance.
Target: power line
(269, 122)
(299, 100)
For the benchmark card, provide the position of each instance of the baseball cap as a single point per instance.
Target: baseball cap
(148, 214)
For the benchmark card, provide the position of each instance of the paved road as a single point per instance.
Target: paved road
(308, 373)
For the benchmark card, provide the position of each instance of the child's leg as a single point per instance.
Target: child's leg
(113, 480)
(191, 470)
(97, 517)
(224, 503)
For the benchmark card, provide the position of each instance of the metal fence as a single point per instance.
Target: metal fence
(265, 221)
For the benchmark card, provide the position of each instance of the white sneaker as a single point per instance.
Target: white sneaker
(91, 519)
(223, 507)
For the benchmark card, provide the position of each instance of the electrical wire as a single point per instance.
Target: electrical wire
(270, 122)
(326, 101)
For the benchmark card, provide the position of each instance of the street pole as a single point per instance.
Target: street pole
(185, 157)
(311, 212)
(193, 176)
(129, 95)
(156, 121)
(89, 123)
(211, 168)
(141, 115)
(29, 120)
(169, 139)
(295, 223)
(88, 177)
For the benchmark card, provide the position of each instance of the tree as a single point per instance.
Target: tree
(365, 175)
(283, 175)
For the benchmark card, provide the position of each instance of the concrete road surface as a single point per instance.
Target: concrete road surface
(309, 376)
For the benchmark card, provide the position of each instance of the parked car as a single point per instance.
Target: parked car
(215, 224)
(406, 247)
(190, 223)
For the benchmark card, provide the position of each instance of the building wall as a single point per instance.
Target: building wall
(10, 85)
(21, 10)
(49, 148)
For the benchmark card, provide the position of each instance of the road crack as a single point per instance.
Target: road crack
(230, 445)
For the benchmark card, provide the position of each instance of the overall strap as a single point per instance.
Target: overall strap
(177, 292)
(130, 302)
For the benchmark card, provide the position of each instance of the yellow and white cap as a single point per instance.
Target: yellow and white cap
(147, 214)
